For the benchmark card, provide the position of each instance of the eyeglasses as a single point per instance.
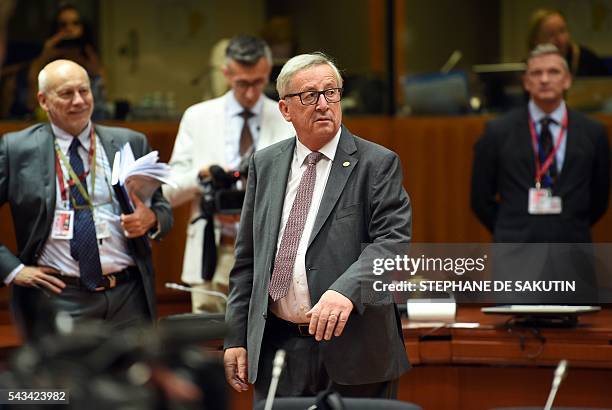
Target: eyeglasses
(332, 95)
(257, 84)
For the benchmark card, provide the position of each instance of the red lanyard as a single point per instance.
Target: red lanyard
(541, 170)
(71, 182)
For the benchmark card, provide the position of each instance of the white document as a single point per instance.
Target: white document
(140, 176)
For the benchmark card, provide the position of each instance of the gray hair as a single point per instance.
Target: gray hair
(547, 49)
(302, 62)
(247, 50)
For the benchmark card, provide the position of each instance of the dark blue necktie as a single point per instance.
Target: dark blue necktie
(84, 245)
(545, 149)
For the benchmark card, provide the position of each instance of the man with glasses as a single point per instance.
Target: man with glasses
(222, 131)
(317, 207)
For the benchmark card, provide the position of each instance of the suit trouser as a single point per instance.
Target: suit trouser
(304, 373)
(122, 307)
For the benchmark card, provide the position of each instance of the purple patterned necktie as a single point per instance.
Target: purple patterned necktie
(84, 245)
(285, 257)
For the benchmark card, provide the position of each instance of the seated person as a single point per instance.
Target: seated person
(550, 26)
(69, 39)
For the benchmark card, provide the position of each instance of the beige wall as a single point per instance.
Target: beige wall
(590, 24)
(162, 46)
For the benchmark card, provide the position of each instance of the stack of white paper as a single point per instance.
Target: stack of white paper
(140, 176)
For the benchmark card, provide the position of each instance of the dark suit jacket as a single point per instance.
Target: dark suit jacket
(504, 166)
(28, 184)
(363, 203)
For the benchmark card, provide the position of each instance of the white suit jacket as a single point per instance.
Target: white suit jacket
(201, 142)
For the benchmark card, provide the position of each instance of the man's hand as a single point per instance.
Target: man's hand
(236, 365)
(138, 223)
(39, 277)
(329, 316)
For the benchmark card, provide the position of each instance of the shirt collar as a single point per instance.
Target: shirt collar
(64, 139)
(537, 114)
(234, 107)
(329, 149)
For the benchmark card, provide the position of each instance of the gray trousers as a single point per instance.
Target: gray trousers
(122, 307)
(304, 373)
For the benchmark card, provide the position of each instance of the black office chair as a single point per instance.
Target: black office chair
(303, 403)
(193, 327)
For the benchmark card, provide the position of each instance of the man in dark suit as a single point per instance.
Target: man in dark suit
(542, 174)
(317, 207)
(509, 161)
(73, 243)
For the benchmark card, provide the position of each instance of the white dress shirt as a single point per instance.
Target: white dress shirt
(114, 255)
(294, 306)
(555, 127)
(235, 123)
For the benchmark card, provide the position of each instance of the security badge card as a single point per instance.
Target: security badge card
(102, 227)
(63, 224)
(542, 202)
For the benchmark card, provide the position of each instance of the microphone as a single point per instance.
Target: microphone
(451, 62)
(560, 373)
(277, 368)
(196, 290)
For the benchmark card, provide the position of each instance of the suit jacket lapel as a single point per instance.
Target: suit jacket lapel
(108, 143)
(571, 140)
(338, 176)
(525, 144)
(278, 179)
(46, 149)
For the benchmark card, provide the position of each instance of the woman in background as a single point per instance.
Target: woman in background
(550, 26)
(70, 39)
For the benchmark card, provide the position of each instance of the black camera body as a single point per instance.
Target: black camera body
(223, 192)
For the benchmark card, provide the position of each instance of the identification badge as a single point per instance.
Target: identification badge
(63, 224)
(542, 202)
(102, 228)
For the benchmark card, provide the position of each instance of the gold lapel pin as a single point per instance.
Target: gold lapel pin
(346, 164)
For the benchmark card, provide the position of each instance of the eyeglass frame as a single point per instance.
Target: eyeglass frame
(320, 93)
(258, 84)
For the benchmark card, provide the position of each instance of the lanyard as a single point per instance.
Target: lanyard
(74, 178)
(541, 170)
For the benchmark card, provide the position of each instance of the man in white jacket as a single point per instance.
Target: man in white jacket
(222, 132)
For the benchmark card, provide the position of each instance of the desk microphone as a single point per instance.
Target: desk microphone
(277, 368)
(560, 373)
(197, 290)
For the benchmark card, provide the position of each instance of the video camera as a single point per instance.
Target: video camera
(223, 191)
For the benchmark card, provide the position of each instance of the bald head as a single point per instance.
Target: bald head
(59, 70)
(64, 93)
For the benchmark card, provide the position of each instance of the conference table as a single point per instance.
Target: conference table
(482, 362)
